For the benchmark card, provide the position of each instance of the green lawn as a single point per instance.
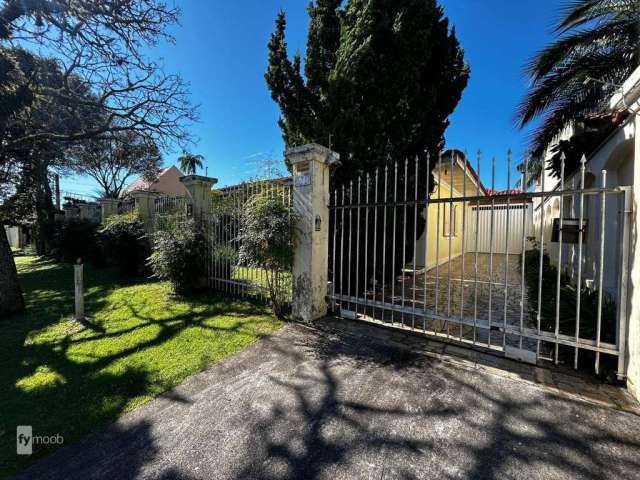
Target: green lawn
(63, 376)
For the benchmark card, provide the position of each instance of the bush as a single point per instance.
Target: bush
(73, 239)
(125, 243)
(266, 241)
(178, 255)
(568, 304)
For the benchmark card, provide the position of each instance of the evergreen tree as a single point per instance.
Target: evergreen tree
(381, 78)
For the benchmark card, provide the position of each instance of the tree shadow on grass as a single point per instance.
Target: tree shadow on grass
(59, 390)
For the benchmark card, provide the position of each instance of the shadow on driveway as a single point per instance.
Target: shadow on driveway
(313, 404)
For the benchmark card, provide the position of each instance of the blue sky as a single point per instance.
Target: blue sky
(221, 51)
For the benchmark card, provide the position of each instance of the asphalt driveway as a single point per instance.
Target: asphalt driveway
(319, 404)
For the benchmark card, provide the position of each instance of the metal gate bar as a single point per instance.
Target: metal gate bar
(365, 280)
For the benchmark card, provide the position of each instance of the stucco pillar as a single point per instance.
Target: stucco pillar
(311, 171)
(144, 204)
(199, 189)
(109, 208)
(633, 310)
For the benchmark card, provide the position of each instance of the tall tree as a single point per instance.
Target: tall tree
(190, 162)
(112, 162)
(105, 45)
(596, 39)
(381, 79)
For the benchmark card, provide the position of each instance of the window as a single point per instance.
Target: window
(449, 227)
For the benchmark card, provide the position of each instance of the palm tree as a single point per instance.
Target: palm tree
(596, 49)
(534, 171)
(189, 162)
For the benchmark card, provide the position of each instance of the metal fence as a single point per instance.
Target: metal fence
(222, 225)
(409, 256)
(168, 205)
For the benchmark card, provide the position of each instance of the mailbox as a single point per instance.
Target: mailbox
(570, 230)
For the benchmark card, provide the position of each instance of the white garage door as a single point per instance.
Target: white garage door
(509, 225)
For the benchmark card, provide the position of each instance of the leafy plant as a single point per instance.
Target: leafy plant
(568, 301)
(595, 50)
(73, 239)
(178, 252)
(266, 238)
(125, 243)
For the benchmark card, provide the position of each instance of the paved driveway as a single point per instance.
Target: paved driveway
(318, 404)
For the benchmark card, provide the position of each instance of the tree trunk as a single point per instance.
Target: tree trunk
(44, 210)
(11, 300)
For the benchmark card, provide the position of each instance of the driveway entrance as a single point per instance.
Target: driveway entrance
(340, 402)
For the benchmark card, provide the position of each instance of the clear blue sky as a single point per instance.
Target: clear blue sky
(221, 51)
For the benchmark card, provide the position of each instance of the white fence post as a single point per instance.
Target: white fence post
(311, 171)
(79, 289)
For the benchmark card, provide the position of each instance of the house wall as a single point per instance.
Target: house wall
(440, 253)
(633, 306)
(616, 157)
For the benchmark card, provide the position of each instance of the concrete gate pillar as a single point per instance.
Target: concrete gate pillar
(144, 206)
(311, 171)
(199, 188)
(109, 207)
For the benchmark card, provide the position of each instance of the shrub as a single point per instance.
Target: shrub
(266, 241)
(178, 255)
(125, 243)
(568, 303)
(75, 238)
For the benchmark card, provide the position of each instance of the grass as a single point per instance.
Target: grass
(67, 377)
(256, 276)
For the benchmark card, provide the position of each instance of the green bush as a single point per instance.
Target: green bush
(179, 255)
(125, 243)
(75, 238)
(568, 304)
(266, 237)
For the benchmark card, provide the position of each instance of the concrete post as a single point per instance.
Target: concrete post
(144, 204)
(79, 289)
(109, 208)
(311, 171)
(633, 310)
(199, 189)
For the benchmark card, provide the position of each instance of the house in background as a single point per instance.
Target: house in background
(167, 183)
(445, 223)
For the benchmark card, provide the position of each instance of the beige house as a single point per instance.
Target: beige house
(445, 218)
(167, 183)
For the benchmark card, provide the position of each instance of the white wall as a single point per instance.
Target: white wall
(616, 157)
(14, 236)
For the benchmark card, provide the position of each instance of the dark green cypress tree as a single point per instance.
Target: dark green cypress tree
(381, 79)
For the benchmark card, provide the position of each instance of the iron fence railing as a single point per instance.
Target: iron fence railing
(396, 259)
(222, 224)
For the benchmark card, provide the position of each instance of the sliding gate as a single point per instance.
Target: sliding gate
(411, 257)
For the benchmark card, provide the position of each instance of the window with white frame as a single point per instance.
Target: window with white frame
(449, 221)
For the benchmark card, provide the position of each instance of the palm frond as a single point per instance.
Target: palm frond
(581, 12)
